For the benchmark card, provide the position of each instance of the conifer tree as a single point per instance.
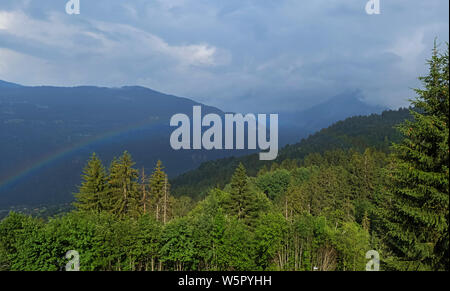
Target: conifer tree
(94, 189)
(416, 224)
(124, 187)
(242, 201)
(159, 192)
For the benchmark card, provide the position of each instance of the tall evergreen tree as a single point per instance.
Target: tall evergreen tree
(94, 189)
(242, 200)
(416, 224)
(159, 193)
(124, 186)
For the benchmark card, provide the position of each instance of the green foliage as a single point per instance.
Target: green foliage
(269, 233)
(243, 202)
(178, 246)
(235, 253)
(274, 183)
(124, 198)
(159, 189)
(94, 190)
(147, 242)
(376, 131)
(321, 206)
(416, 222)
(352, 243)
(16, 233)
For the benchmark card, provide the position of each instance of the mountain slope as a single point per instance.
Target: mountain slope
(360, 132)
(299, 124)
(48, 133)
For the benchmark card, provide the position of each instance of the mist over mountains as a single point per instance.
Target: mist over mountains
(298, 124)
(48, 133)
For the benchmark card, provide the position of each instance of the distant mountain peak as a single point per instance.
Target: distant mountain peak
(338, 107)
(350, 98)
(346, 105)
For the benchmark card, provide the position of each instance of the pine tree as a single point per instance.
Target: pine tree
(94, 189)
(242, 200)
(416, 224)
(124, 187)
(159, 193)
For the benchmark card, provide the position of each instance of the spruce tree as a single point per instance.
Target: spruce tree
(242, 201)
(124, 186)
(416, 225)
(94, 189)
(159, 193)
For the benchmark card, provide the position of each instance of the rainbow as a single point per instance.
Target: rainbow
(48, 159)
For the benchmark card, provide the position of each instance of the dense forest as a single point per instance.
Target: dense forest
(314, 208)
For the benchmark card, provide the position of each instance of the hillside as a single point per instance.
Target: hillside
(359, 132)
(48, 133)
(332, 110)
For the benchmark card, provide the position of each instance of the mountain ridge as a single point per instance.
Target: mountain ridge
(48, 133)
(358, 132)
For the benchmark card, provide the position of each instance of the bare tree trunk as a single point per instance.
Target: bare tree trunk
(125, 199)
(144, 193)
(286, 207)
(165, 201)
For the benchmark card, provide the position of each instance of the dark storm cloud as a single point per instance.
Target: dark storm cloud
(240, 55)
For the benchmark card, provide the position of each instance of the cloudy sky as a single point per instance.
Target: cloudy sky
(239, 55)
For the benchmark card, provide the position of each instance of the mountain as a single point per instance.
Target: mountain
(48, 133)
(336, 108)
(359, 132)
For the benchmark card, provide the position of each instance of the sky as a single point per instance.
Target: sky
(256, 56)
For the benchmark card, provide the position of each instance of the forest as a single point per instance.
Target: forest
(307, 211)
